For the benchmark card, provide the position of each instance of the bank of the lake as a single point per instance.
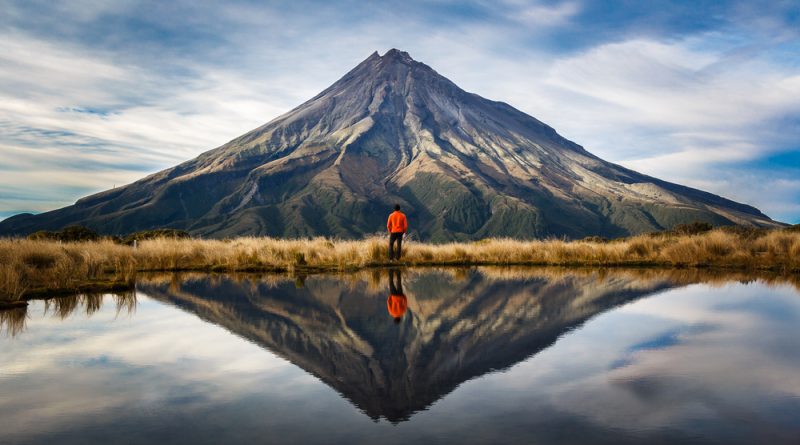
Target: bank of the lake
(31, 268)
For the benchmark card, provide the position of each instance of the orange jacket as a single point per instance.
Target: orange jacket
(397, 305)
(397, 222)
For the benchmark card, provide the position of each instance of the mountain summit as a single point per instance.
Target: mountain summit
(393, 130)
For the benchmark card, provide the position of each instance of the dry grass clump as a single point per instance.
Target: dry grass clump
(31, 265)
(249, 253)
(28, 266)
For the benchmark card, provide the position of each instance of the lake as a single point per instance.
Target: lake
(486, 355)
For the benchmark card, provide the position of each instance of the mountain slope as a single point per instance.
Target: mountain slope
(394, 130)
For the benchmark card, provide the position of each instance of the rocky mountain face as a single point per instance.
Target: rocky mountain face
(393, 130)
(459, 325)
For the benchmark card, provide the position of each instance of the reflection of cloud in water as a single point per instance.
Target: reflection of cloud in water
(730, 374)
(662, 340)
(104, 364)
(701, 361)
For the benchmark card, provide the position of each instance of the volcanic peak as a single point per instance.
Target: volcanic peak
(393, 130)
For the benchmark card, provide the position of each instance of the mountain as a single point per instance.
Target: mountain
(393, 130)
(456, 328)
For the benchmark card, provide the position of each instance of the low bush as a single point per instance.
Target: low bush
(154, 234)
(67, 234)
(694, 228)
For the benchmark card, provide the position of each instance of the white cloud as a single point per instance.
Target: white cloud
(65, 111)
(669, 87)
(538, 15)
(667, 109)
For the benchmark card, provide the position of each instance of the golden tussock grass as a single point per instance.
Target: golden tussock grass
(28, 267)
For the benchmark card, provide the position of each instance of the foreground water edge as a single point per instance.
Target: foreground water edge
(478, 355)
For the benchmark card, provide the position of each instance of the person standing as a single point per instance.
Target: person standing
(397, 226)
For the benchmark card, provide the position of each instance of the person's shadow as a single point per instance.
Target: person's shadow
(397, 304)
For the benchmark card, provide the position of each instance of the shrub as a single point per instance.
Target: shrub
(78, 233)
(747, 233)
(595, 239)
(694, 228)
(43, 235)
(67, 234)
(154, 234)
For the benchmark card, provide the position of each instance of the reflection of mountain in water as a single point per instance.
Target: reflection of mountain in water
(455, 328)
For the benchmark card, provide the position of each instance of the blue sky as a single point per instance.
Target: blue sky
(96, 93)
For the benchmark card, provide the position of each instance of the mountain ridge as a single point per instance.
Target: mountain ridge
(391, 130)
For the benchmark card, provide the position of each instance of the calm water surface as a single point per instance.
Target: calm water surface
(448, 356)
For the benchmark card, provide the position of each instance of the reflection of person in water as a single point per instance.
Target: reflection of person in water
(397, 302)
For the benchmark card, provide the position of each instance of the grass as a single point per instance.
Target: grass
(34, 267)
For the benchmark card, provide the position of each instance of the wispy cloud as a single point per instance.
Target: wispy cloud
(690, 115)
(539, 14)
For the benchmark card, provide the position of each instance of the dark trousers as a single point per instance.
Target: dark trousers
(395, 238)
(395, 282)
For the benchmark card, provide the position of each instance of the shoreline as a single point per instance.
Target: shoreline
(31, 269)
(105, 286)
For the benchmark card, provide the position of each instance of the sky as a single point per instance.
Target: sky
(95, 94)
